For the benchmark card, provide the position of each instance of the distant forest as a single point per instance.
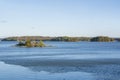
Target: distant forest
(63, 38)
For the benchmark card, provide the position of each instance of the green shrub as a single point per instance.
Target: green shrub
(28, 43)
(41, 44)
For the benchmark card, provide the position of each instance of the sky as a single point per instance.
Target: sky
(60, 18)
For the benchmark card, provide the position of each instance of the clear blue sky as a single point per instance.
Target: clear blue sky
(60, 17)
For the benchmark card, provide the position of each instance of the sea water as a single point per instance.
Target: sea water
(60, 61)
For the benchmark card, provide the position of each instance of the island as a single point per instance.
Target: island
(102, 39)
(29, 43)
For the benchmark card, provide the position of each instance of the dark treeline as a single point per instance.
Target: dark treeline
(117, 39)
(38, 38)
(24, 38)
(63, 38)
(102, 39)
(70, 39)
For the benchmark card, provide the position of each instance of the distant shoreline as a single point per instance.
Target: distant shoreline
(62, 38)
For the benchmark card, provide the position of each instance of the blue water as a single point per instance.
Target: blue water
(62, 61)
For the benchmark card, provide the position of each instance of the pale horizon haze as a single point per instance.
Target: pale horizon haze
(60, 18)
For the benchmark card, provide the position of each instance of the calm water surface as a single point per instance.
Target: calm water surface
(62, 61)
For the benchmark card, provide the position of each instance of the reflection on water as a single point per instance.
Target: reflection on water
(12, 72)
(64, 61)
